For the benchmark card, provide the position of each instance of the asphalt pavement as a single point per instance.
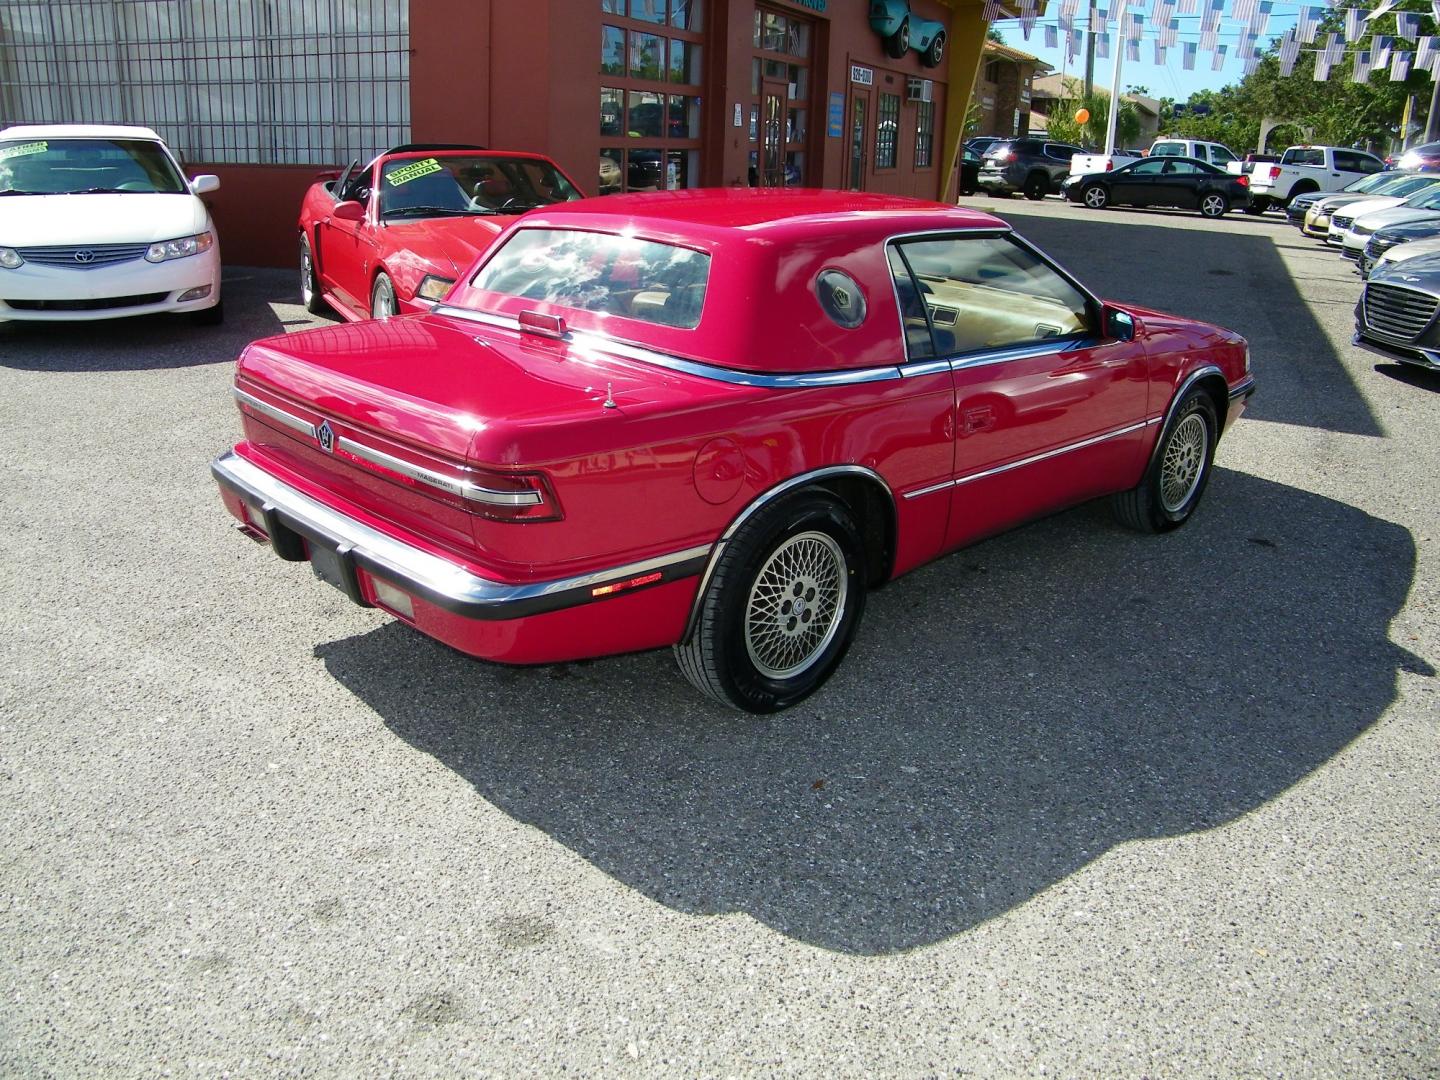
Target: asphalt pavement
(1079, 802)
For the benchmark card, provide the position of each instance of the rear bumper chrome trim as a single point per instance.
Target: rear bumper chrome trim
(432, 578)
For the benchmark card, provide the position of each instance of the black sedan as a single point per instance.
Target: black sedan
(969, 171)
(1382, 240)
(1170, 181)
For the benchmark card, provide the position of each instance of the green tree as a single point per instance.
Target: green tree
(1063, 127)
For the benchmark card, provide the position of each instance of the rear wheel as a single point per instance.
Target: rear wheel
(382, 298)
(1176, 478)
(1213, 205)
(781, 608)
(898, 43)
(1095, 196)
(310, 281)
(1037, 186)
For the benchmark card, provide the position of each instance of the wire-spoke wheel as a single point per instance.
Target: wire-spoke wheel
(1178, 472)
(781, 606)
(795, 605)
(1183, 463)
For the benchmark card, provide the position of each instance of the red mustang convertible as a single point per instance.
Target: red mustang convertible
(391, 238)
(714, 420)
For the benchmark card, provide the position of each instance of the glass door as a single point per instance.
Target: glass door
(772, 135)
(859, 113)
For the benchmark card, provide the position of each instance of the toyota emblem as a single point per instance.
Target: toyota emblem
(326, 434)
(84, 255)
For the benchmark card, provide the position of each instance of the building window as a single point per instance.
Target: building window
(285, 82)
(650, 60)
(924, 132)
(887, 127)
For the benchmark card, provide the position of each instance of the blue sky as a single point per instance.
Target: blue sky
(1168, 80)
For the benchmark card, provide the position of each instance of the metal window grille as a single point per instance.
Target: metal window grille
(272, 82)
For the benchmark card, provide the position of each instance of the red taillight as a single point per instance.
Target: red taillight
(499, 496)
(1243, 180)
(1274, 172)
(1109, 165)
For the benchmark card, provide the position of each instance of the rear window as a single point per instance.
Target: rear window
(601, 272)
(1169, 149)
(1303, 157)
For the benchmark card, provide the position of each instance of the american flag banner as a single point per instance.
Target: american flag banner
(1187, 55)
(1208, 38)
(1380, 47)
(1425, 52)
(1382, 8)
(1066, 23)
(1435, 9)
(1219, 61)
(1102, 46)
(1069, 8)
(1335, 50)
(1251, 63)
(1137, 28)
(1407, 25)
(1322, 69)
(1260, 24)
(1243, 10)
(1052, 37)
(1190, 7)
(1307, 23)
(1132, 50)
(1400, 66)
(1289, 53)
(1210, 18)
(1361, 71)
(1170, 34)
(1161, 11)
(992, 11)
(1159, 54)
(1354, 17)
(1074, 43)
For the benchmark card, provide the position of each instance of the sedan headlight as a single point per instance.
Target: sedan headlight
(434, 287)
(165, 250)
(10, 258)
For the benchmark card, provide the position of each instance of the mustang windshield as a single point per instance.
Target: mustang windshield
(86, 167)
(469, 184)
(591, 271)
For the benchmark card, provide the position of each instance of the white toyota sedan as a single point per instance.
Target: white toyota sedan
(98, 222)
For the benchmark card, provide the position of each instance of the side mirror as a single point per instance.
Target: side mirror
(350, 210)
(205, 183)
(1119, 324)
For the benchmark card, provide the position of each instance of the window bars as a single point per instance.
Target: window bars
(272, 82)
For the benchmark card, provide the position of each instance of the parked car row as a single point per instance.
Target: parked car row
(1389, 225)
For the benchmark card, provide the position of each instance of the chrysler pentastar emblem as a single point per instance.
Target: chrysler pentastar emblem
(326, 434)
(84, 255)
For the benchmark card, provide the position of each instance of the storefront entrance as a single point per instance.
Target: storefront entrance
(859, 128)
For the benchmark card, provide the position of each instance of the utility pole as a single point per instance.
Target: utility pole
(1090, 51)
(1432, 121)
(1114, 116)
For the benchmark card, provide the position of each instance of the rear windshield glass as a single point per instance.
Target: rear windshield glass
(1169, 149)
(591, 271)
(86, 166)
(1303, 157)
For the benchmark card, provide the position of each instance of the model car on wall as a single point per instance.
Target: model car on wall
(903, 30)
(390, 238)
(715, 420)
(99, 221)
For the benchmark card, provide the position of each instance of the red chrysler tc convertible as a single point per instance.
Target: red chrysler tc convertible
(391, 238)
(713, 420)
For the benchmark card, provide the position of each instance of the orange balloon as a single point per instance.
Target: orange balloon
(1082, 116)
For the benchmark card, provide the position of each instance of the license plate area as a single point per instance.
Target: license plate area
(336, 566)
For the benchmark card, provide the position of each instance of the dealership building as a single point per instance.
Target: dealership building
(624, 94)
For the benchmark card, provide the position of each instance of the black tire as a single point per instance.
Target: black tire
(935, 53)
(726, 656)
(1169, 492)
(898, 43)
(1258, 204)
(382, 293)
(1299, 189)
(1254, 209)
(1037, 186)
(1095, 196)
(310, 281)
(210, 316)
(1214, 205)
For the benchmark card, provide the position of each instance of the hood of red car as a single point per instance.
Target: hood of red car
(444, 245)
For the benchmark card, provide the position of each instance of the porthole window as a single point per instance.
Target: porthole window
(841, 298)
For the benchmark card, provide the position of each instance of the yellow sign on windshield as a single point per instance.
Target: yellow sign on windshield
(413, 172)
(7, 152)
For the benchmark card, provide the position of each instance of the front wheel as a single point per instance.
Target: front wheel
(1095, 197)
(781, 608)
(1179, 472)
(936, 52)
(309, 280)
(1213, 205)
(382, 298)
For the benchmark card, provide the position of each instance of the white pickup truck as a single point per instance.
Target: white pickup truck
(1308, 168)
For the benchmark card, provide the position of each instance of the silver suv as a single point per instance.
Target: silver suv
(1033, 166)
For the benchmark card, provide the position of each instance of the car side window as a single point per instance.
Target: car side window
(1182, 168)
(1055, 150)
(1148, 168)
(982, 293)
(1220, 156)
(357, 188)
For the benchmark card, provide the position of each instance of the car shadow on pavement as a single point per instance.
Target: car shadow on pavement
(149, 342)
(1411, 375)
(1228, 272)
(1008, 715)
